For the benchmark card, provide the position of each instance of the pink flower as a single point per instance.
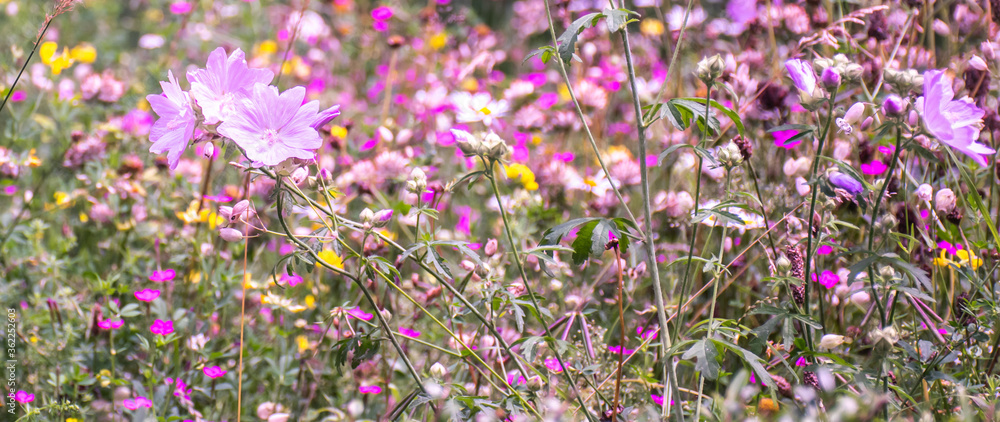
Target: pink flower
(955, 123)
(215, 88)
(381, 13)
(214, 372)
(162, 327)
(514, 379)
(292, 280)
(160, 276)
(181, 8)
(618, 349)
(659, 400)
(175, 127)
(110, 324)
(359, 314)
(147, 295)
(801, 361)
(273, 127)
(143, 402)
(874, 168)
(18, 96)
(828, 279)
(409, 332)
(370, 389)
(24, 397)
(553, 365)
(781, 138)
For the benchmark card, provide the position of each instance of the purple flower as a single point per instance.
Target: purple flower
(147, 295)
(828, 279)
(742, 11)
(24, 397)
(553, 365)
(409, 332)
(175, 128)
(847, 183)
(273, 127)
(802, 74)
(894, 106)
(215, 88)
(160, 276)
(162, 327)
(370, 389)
(214, 372)
(955, 123)
(874, 168)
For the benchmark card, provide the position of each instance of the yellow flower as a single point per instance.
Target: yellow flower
(438, 41)
(33, 160)
(564, 93)
(46, 51)
(338, 132)
(84, 53)
(60, 62)
(194, 277)
(84, 218)
(651, 27)
(310, 301)
(303, 343)
(62, 198)
(964, 257)
(522, 172)
(470, 84)
(267, 47)
(330, 257)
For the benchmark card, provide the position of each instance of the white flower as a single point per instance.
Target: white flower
(831, 341)
(480, 107)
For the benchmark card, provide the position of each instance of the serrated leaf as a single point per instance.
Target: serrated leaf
(706, 354)
(567, 41)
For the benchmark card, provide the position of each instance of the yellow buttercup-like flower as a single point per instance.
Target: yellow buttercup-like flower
(438, 41)
(961, 258)
(84, 53)
(522, 172)
(330, 257)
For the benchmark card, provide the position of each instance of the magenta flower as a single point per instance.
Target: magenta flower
(273, 127)
(409, 332)
(659, 400)
(214, 372)
(175, 127)
(955, 123)
(160, 276)
(359, 314)
(553, 365)
(24, 397)
(181, 8)
(381, 13)
(147, 295)
(18, 96)
(874, 168)
(370, 389)
(162, 327)
(828, 279)
(618, 349)
(111, 324)
(215, 88)
(801, 362)
(514, 379)
(292, 280)
(781, 138)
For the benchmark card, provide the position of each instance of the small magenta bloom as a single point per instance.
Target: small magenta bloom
(618, 349)
(175, 127)
(828, 279)
(111, 324)
(553, 365)
(214, 372)
(955, 123)
(381, 13)
(162, 327)
(659, 399)
(273, 127)
(781, 138)
(359, 314)
(894, 106)
(848, 183)
(215, 88)
(409, 332)
(147, 295)
(18, 96)
(370, 389)
(160, 276)
(292, 280)
(24, 397)
(801, 362)
(874, 168)
(181, 8)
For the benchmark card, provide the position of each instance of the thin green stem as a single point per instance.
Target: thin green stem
(549, 338)
(871, 226)
(661, 312)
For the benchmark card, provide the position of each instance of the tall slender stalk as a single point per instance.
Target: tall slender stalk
(490, 167)
(621, 319)
(871, 227)
(661, 312)
(812, 209)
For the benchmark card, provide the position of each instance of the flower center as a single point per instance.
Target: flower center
(485, 111)
(270, 137)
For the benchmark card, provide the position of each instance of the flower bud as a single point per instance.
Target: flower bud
(830, 78)
(483, 270)
(467, 143)
(230, 234)
(924, 192)
(491, 247)
(913, 118)
(494, 147)
(730, 155)
(821, 64)
(782, 264)
(386, 314)
(535, 383)
(367, 216)
(886, 271)
(867, 123)
(418, 181)
(382, 218)
(209, 150)
(846, 183)
(831, 341)
(853, 72)
(894, 106)
(438, 370)
(978, 63)
(710, 68)
(944, 201)
(855, 113)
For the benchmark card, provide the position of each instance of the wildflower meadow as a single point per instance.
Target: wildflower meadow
(500, 210)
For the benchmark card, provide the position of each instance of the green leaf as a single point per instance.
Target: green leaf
(616, 19)
(707, 358)
(732, 114)
(567, 41)
(681, 111)
(663, 155)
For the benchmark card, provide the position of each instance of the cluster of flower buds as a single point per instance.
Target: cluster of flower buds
(372, 219)
(730, 155)
(710, 68)
(241, 212)
(905, 81)
(417, 183)
(491, 146)
(838, 70)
